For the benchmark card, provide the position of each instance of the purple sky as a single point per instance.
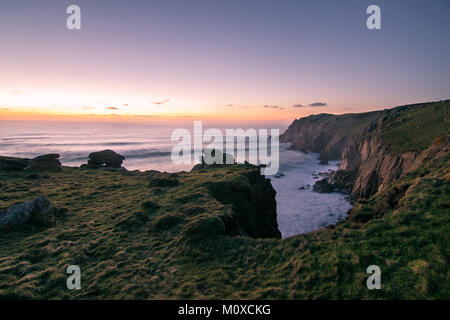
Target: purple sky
(223, 58)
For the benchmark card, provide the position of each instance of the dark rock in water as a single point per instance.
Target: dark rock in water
(106, 158)
(323, 186)
(278, 175)
(158, 182)
(13, 164)
(45, 162)
(323, 160)
(335, 181)
(38, 210)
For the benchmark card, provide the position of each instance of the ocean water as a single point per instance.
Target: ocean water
(148, 147)
(302, 211)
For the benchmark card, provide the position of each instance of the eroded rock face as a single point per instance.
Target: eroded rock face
(253, 206)
(46, 162)
(38, 210)
(327, 134)
(106, 158)
(359, 141)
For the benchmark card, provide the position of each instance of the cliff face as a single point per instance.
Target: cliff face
(326, 134)
(252, 203)
(378, 147)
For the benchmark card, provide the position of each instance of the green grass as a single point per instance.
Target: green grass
(415, 127)
(135, 241)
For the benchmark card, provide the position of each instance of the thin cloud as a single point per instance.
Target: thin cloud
(112, 108)
(160, 102)
(298, 106)
(230, 105)
(125, 104)
(15, 92)
(271, 107)
(317, 104)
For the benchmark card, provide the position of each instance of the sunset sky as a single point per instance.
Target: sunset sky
(224, 59)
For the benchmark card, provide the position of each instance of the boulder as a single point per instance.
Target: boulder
(38, 210)
(323, 186)
(107, 158)
(45, 162)
(13, 164)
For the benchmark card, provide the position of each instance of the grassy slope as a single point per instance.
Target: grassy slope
(414, 127)
(180, 250)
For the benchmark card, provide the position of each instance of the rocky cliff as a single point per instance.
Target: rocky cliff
(378, 147)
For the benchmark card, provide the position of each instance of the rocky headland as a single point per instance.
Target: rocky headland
(375, 148)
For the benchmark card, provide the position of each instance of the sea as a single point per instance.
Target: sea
(148, 146)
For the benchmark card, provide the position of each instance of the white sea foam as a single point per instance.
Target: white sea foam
(302, 211)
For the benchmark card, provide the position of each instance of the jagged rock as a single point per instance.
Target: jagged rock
(335, 181)
(107, 158)
(38, 210)
(253, 206)
(323, 186)
(45, 162)
(13, 164)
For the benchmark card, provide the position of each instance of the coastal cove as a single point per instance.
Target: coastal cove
(299, 209)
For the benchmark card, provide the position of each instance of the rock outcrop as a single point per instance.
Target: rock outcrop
(104, 159)
(13, 164)
(38, 210)
(375, 148)
(253, 205)
(46, 162)
(214, 158)
(326, 134)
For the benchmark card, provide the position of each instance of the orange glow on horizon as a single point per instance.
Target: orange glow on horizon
(11, 115)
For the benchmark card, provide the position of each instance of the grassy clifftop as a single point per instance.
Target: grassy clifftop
(404, 128)
(133, 240)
